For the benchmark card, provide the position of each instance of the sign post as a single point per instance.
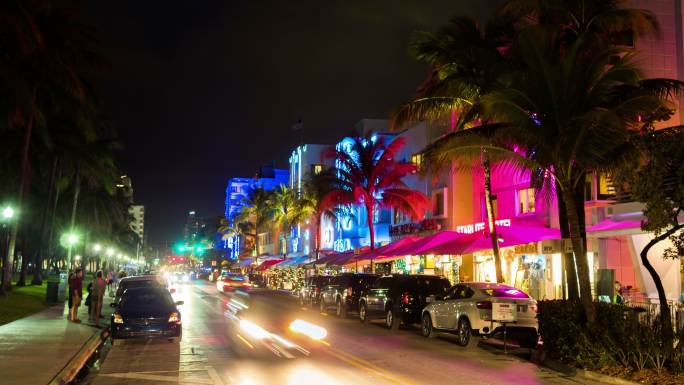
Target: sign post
(504, 313)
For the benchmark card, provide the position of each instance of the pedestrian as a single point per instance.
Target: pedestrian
(89, 300)
(618, 293)
(76, 291)
(99, 287)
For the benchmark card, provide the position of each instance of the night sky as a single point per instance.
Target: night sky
(202, 93)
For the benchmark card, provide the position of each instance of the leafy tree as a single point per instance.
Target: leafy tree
(656, 178)
(370, 174)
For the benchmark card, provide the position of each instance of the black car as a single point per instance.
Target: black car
(146, 312)
(400, 298)
(311, 290)
(344, 291)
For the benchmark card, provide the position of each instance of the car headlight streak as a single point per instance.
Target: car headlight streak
(308, 329)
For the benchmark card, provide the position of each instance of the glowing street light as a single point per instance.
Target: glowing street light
(68, 240)
(77, 257)
(110, 252)
(97, 247)
(8, 213)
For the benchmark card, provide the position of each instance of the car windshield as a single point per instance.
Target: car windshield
(146, 298)
(140, 283)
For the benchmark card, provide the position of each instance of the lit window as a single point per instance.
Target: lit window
(526, 201)
(316, 169)
(417, 160)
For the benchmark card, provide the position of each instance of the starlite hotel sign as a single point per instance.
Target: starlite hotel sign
(480, 226)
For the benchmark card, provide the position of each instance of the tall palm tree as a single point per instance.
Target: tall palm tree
(368, 173)
(254, 214)
(575, 111)
(281, 204)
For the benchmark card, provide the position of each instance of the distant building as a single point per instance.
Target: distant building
(237, 191)
(193, 229)
(137, 224)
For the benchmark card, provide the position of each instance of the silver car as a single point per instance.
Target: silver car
(467, 311)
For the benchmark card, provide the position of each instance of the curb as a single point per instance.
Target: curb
(79, 360)
(588, 375)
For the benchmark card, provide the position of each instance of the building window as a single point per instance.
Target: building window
(417, 160)
(316, 169)
(525, 201)
(606, 190)
(438, 204)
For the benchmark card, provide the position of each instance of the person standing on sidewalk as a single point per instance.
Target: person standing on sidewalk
(99, 288)
(76, 291)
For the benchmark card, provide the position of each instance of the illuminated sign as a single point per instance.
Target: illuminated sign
(480, 226)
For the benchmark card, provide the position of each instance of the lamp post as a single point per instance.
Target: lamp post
(7, 216)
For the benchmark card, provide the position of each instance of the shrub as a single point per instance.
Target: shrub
(616, 338)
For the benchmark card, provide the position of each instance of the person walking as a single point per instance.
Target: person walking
(99, 288)
(76, 292)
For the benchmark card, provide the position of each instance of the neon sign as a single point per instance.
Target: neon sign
(480, 226)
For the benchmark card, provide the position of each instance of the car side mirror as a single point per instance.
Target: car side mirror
(178, 303)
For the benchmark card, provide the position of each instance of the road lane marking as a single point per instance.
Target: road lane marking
(156, 377)
(369, 367)
(245, 341)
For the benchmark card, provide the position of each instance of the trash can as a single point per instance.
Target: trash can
(52, 293)
(63, 285)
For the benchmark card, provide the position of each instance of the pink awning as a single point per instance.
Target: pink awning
(422, 245)
(510, 236)
(384, 250)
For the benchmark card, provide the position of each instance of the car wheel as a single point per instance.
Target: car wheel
(340, 309)
(363, 313)
(426, 326)
(530, 341)
(465, 333)
(391, 320)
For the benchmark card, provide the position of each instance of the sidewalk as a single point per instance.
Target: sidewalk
(35, 349)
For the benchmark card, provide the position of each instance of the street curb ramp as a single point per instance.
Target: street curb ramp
(80, 359)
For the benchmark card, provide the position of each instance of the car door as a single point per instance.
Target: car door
(453, 311)
(377, 295)
(440, 308)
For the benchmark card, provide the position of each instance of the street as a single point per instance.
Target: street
(211, 352)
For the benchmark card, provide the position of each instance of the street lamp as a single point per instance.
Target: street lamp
(69, 240)
(97, 248)
(7, 213)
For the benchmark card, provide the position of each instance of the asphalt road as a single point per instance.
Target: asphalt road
(215, 350)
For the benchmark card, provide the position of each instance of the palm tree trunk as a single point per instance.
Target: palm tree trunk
(490, 216)
(665, 317)
(24, 259)
(317, 237)
(40, 248)
(51, 227)
(23, 187)
(74, 207)
(570, 274)
(371, 233)
(580, 252)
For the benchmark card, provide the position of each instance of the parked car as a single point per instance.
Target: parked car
(229, 282)
(467, 310)
(146, 312)
(343, 291)
(139, 281)
(400, 298)
(310, 292)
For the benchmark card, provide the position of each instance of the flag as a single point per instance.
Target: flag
(298, 126)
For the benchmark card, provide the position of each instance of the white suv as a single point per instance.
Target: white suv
(467, 310)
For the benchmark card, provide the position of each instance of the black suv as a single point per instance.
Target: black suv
(344, 291)
(311, 291)
(400, 298)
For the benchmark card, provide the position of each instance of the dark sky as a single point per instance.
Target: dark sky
(202, 90)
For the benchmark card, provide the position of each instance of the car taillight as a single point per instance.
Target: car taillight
(484, 305)
(405, 299)
(174, 317)
(118, 319)
(349, 291)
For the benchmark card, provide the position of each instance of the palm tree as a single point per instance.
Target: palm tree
(369, 174)
(254, 214)
(281, 204)
(575, 111)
